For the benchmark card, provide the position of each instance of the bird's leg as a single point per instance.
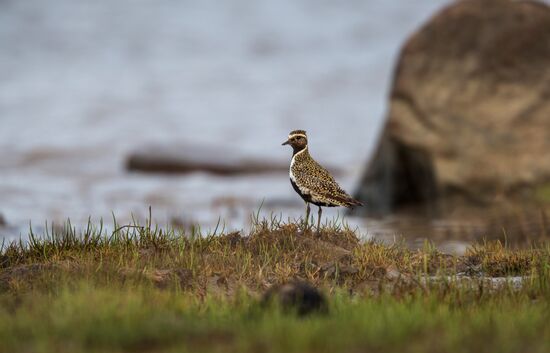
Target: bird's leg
(319, 220)
(307, 214)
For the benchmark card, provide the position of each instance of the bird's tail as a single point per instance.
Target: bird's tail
(351, 202)
(346, 200)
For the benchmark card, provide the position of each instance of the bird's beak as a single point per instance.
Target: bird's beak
(285, 143)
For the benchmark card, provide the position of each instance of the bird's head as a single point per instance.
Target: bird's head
(297, 139)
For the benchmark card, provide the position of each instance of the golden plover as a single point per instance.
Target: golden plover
(311, 181)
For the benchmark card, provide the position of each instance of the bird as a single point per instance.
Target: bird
(313, 182)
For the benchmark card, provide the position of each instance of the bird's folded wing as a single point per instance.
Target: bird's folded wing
(330, 191)
(321, 186)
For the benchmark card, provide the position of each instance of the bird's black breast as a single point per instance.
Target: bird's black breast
(306, 197)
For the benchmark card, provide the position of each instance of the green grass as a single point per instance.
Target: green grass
(142, 288)
(87, 318)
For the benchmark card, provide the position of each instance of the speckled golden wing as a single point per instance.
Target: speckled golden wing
(317, 181)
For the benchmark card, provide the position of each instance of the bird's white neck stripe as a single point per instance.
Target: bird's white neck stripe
(297, 153)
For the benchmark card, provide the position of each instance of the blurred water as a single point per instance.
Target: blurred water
(82, 83)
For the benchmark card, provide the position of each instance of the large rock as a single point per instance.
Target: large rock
(469, 116)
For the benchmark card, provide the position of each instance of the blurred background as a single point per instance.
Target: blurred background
(92, 93)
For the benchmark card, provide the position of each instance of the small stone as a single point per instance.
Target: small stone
(348, 270)
(298, 296)
(392, 273)
(159, 277)
(233, 238)
(185, 277)
(216, 282)
(331, 269)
